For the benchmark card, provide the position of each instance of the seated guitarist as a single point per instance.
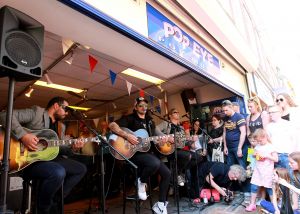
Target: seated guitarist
(183, 157)
(51, 174)
(147, 162)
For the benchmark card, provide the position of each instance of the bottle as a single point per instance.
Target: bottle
(205, 200)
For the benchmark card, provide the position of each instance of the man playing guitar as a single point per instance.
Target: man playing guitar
(51, 174)
(147, 162)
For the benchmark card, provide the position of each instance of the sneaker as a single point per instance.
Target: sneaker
(180, 180)
(251, 208)
(160, 207)
(142, 190)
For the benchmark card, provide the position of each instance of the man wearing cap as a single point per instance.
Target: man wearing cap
(147, 162)
(234, 135)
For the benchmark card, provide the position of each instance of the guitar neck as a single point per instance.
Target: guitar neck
(54, 143)
(156, 138)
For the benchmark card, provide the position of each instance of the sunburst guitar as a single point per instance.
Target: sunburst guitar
(48, 148)
(126, 148)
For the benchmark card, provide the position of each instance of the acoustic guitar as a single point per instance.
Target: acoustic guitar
(127, 149)
(48, 148)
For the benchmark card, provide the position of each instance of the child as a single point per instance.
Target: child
(263, 171)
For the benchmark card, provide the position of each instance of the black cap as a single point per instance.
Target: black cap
(139, 100)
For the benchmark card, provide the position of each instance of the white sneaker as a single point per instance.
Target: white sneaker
(180, 180)
(142, 190)
(160, 207)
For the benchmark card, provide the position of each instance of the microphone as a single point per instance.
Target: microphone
(70, 109)
(185, 115)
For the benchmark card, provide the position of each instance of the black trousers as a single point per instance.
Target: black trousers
(148, 165)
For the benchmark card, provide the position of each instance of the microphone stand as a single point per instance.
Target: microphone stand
(175, 181)
(80, 116)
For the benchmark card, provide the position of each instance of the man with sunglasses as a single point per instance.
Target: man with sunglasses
(50, 174)
(147, 163)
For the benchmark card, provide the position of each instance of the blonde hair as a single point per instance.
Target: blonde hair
(295, 156)
(256, 102)
(260, 133)
(288, 98)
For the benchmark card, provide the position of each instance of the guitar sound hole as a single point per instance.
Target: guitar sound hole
(42, 145)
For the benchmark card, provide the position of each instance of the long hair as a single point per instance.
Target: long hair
(288, 98)
(284, 174)
(296, 157)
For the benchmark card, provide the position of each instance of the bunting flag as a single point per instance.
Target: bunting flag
(142, 93)
(92, 62)
(151, 99)
(166, 103)
(158, 109)
(129, 85)
(113, 76)
(66, 44)
(96, 121)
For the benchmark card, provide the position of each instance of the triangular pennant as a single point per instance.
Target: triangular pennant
(96, 121)
(129, 85)
(142, 93)
(113, 76)
(160, 102)
(92, 62)
(66, 44)
(151, 99)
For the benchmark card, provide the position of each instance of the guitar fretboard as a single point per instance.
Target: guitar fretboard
(155, 138)
(54, 143)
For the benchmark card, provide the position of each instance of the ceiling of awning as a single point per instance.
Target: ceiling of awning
(112, 50)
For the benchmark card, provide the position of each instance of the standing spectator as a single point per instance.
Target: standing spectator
(263, 171)
(288, 107)
(283, 136)
(216, 134)
(234, 135)
(257, 118)
(236, 107)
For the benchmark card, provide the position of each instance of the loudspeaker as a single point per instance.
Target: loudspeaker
(21, 45)
(188, 98)
(196, 112)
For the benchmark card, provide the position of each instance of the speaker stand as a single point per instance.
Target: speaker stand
(5, 162)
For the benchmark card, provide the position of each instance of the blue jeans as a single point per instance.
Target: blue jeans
(254, 189)
(51, 175)
(283, 161)
(232, 157)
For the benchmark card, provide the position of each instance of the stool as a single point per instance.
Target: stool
(30, 197)
(135, 196)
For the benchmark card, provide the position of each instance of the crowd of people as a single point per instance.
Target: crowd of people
(271, 134)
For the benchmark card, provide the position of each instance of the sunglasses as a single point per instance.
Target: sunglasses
(279, 100)
(63, 107)
(145, 106)
(273, 112)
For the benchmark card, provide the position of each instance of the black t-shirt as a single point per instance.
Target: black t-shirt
(218, 170)
(218, 132)
(53, 126)
(134, 122)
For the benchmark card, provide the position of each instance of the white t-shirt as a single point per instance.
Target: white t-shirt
(283, 136)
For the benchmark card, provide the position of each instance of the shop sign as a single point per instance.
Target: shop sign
(168, 34)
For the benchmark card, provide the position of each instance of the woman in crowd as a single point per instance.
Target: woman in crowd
(263, 171)
(257, 118)
(215, 133)
(289, 112)
(294, 163)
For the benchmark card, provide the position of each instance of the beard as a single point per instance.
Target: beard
(59, 117)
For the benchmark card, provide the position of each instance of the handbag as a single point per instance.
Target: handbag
(218, 154)
(212, 195)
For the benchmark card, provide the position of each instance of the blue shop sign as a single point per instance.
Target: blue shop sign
(166, 33)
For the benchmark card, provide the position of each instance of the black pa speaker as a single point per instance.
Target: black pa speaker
(188, 98)
(21, 45)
